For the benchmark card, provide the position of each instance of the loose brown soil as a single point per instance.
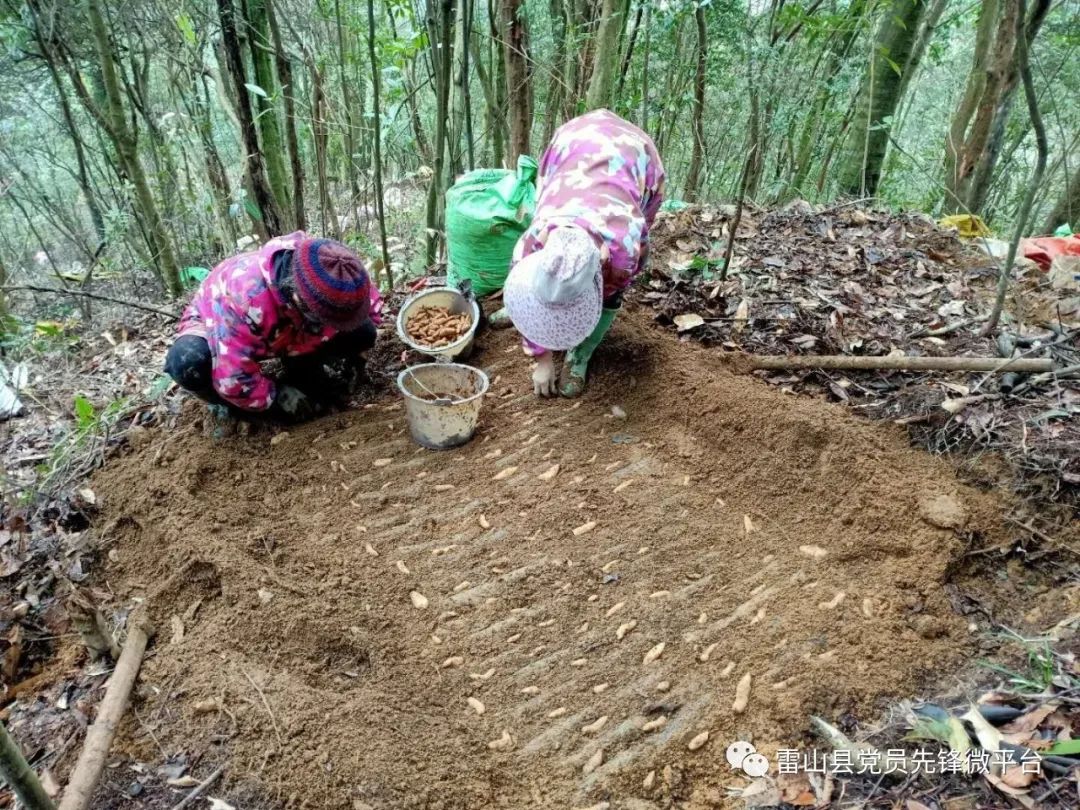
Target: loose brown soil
(746, 530)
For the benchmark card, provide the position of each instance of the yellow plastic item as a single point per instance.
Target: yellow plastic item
(968, 225)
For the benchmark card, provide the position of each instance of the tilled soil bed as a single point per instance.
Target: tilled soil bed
(328, 600)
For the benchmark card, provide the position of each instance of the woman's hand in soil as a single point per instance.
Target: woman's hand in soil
(544, 375)
(294, 403)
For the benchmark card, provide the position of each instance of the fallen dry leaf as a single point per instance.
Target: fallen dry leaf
(177, 625)
(1016, 776)
(742, 315)
(795, 789)
(1018, 794)
(688, 321)
(1031, 720)
(187, 781)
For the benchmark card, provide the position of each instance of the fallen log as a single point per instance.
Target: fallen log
(87, 771)
(899, 363)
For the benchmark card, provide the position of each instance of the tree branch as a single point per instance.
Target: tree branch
(84, 294)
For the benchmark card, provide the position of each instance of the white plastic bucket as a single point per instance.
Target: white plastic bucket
(439, 297)
(442, 402)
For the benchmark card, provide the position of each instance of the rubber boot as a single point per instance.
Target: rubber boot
(499, 319)
(576, 365)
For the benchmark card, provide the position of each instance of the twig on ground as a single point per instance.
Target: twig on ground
(199, 789)
(1039, 379)
(1042, 535)
(84, 777)
(948, 329)
(844, 361)
(266, 703)
(847, 204)
(84, 294)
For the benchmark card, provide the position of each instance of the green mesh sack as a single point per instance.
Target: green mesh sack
(486, 211)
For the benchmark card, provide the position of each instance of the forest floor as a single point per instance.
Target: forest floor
(557, 613)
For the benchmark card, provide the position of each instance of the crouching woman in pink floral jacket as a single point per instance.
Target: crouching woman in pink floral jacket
(308, 302)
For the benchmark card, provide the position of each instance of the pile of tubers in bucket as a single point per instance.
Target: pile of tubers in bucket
(436, 327)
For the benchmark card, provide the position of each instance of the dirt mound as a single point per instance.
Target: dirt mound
(841, 280)
(596, 583)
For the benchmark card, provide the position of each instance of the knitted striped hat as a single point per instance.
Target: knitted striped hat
(332, 283)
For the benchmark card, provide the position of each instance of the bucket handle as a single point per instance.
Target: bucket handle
(439, 400)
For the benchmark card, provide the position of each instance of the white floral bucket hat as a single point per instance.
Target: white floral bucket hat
(554, 296)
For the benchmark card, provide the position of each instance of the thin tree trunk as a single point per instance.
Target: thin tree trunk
(1024, 214)
(879, 97)
(518, 79)
(459, 93)
(984, 171)
(1067, 209)
(443, 40)
(260, 188)
(267, 118)
(571, 61)
(82, 176)
(376, 112)
(319, 139)
(350, 143)
(288, 92)
(218, 178)
(693, 175)
(929, 24)
(969, 131)
(602, 82)
(467, 19)
(628, 56)
(493, 119)
(127, 152)
(814, 123)
(645, 69)
(498, 69)
(422, 144)
(555, 95)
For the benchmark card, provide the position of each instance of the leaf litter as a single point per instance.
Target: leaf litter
(832, 329)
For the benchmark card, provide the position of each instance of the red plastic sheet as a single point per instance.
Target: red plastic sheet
(1044, 249)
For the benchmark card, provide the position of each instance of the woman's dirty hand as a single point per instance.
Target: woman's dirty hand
(295, 403)
(544, 375)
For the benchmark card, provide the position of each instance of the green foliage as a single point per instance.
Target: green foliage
(1040, 672)
(85, 413)
(802, 61)
(183, 22)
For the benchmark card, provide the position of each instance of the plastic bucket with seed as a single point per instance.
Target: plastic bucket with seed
(439, 297)
(442, 402)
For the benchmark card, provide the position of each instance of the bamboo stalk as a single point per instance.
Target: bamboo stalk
(84, 777)
(889, 362)
(20, 776)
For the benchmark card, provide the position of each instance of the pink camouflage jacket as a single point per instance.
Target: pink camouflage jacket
(243, 317)
(605, 175)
